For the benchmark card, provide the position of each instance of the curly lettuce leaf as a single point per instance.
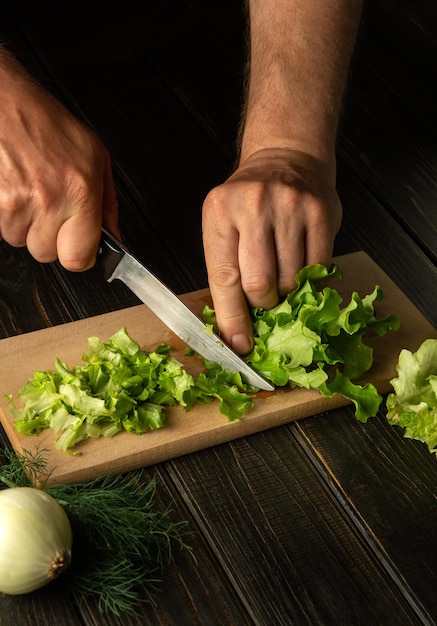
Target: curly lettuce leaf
(215, 384)
(312, 340)
(365, 398)
(413, 403)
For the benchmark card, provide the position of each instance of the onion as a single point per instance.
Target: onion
(35, 539)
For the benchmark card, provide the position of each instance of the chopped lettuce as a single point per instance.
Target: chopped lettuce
(309, 340)
(413, 403)
(120, 387)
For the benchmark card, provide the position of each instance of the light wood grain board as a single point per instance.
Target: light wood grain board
(204, 425)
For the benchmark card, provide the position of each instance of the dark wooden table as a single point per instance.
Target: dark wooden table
(324, 520)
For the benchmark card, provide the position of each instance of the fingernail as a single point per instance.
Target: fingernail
(241, 343)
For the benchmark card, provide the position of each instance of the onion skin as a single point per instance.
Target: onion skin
(35, 540)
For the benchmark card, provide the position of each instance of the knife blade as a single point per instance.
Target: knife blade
(119, 263)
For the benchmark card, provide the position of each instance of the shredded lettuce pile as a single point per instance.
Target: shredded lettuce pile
(310, 340)
(413, 403)
(120, 387)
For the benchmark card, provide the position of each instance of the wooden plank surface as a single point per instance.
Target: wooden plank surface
(393, 494)
(283, 536)
(204, 425)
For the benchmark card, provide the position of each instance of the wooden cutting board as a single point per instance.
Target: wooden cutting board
(204, 425)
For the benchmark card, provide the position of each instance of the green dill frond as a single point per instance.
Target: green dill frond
(120, 587)
(122, 541)
(24, 470)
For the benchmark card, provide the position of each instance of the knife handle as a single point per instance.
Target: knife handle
(110, 253)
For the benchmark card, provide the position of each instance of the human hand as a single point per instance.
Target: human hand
(278, 212)
(56, 183)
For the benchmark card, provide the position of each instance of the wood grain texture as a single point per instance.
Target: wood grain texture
(203, 426)
(193, 592)
(388, 486)
(284, 540)
(28, 298)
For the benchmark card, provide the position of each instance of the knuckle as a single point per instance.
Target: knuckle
(257, 286)
(42, 196)
(260, 292)
(214, 203)
(72, 189)
(79, 189)
(12, 201)
(286, 283)
(225, 276)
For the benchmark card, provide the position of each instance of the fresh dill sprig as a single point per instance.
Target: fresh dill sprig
(121, 541)
(24, 470)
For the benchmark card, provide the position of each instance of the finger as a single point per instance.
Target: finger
(14, 227)
(290, 254)
(323, 224)
(319, 245)
(257, 263)
(229, 302)
(16, 236)
(42, 240)
(78, 239)
(290, 262)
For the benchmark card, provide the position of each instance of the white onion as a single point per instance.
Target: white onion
(35, 539)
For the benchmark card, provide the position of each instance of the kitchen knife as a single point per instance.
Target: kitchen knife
(118, 263)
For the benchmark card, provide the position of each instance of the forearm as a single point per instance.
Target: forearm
(299, 57)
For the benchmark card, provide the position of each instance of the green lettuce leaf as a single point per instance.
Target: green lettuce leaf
(312, 340)
(365, 398)
(413, 403)
(120, 387)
